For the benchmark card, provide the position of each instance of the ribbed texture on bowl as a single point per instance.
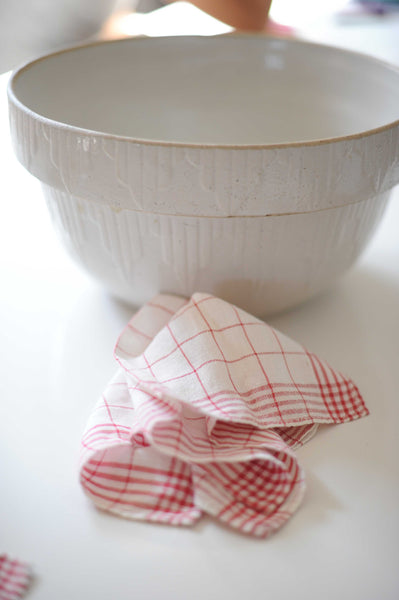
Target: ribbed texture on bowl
(263, 264)
(205, 181)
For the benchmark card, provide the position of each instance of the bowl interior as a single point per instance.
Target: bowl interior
(222, 90)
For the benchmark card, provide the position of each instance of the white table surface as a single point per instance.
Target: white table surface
(58, 328)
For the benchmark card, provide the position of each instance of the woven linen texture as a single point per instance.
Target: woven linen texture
(203, 416)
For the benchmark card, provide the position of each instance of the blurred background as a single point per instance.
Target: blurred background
(29, 28)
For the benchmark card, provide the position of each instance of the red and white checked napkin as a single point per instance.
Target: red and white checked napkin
(15, 577)
(204, 414)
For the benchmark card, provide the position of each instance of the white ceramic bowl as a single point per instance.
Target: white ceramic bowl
(249, 167)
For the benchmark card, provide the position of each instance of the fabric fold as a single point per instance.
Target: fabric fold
(204, 414)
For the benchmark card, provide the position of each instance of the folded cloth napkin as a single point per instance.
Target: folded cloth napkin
(204, 414)
(15, 577)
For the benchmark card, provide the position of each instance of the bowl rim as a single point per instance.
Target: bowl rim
(13, 99)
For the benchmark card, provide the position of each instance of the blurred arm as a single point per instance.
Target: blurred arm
(245, 15)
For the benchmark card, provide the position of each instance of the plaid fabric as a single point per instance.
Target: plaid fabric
(14, 578)
(204, 414)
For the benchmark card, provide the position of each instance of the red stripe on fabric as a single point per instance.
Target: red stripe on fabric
(261, 366)
(7, 575)
(330, 393)
(149, 367)
(97, 443)
(190, 364)
(150, 493)
(161, 307)
(131, 504)
(116, 426)
(97, 464)
(138, 332)
(312, 359)
(295, 439)
(277, 516)
(134, 480)
(14, 578)
(128, 473)
(188, 307)
(255, 439)
(208, 490)
(109, 428)
(206, 363)
(223, 359)
(164, 502)
(122, 406)
(269, 386)
(119, 465)
(224, 510)
(237, 481)
(217, 330)
(283, 353)
(235, 405)
(188, 443)
(94, 445)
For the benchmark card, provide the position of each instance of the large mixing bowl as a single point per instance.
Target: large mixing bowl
(249, 167)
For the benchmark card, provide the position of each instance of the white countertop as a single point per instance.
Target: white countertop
(58, 330)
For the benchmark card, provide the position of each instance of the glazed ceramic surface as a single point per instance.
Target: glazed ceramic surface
(264, 264)
(250, 167)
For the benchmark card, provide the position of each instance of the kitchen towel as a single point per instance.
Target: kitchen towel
(15, 577)
(204, 415)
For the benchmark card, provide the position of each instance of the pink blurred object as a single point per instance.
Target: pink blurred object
(204, 415)
(14, 578)
(278, 29)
